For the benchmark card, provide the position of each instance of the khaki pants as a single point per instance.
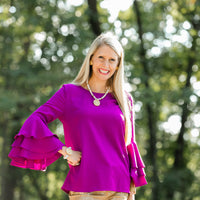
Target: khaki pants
(98, 195)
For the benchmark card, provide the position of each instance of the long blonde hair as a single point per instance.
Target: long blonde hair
(117, 82)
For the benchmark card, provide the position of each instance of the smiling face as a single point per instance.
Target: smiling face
(104, 63)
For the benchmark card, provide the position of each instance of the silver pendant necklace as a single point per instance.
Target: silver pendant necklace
(96, 101)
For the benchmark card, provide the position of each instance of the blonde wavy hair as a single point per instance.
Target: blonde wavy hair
(116, 82)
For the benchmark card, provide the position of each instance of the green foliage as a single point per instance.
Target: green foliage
(179, 180)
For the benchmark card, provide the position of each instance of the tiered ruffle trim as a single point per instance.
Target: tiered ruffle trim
(35, 152)
(137, 165)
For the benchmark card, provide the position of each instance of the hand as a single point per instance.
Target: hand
(132, 193)
(75, 158)
(131, 196)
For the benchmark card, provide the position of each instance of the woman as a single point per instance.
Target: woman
(97, 116)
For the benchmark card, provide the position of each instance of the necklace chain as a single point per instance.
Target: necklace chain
(97, 99)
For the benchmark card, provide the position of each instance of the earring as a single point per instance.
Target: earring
(91, 63)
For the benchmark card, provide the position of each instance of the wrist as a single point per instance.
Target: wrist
(67, 152)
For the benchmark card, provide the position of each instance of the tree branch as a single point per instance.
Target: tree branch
(94, 17)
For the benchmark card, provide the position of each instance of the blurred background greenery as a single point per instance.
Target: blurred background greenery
(42, 46)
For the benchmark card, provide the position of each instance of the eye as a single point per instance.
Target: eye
(112, 60)
(101, 57)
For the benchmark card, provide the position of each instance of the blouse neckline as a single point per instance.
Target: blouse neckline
(97, 93)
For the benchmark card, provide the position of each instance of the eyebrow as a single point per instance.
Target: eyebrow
(113, 57)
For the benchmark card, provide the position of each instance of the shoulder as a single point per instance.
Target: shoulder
(129, 97)
(70, 88)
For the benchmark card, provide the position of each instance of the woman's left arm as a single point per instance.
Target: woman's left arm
(136, 164)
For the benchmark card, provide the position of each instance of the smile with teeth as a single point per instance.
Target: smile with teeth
(104, 71)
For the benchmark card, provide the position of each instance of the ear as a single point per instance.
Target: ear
(91, 63)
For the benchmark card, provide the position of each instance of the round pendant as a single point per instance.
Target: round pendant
(96, 102)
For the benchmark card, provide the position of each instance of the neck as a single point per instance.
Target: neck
(97, 86)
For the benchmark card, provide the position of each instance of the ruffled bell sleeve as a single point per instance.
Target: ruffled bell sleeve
(136, 164)
(35, 146)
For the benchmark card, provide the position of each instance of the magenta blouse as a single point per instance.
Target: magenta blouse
(97, 131)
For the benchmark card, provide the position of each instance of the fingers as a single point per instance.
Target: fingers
(131, 196)
(73, 164)
(69, 162)
(75, 158)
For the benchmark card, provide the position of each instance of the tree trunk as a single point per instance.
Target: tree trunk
(41, 193)
(150, 112)
(179, 160)
(94, 17)
(9, 175)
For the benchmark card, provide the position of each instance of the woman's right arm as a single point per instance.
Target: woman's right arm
(35, 146)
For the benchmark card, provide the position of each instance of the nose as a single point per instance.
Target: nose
(106, 63)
